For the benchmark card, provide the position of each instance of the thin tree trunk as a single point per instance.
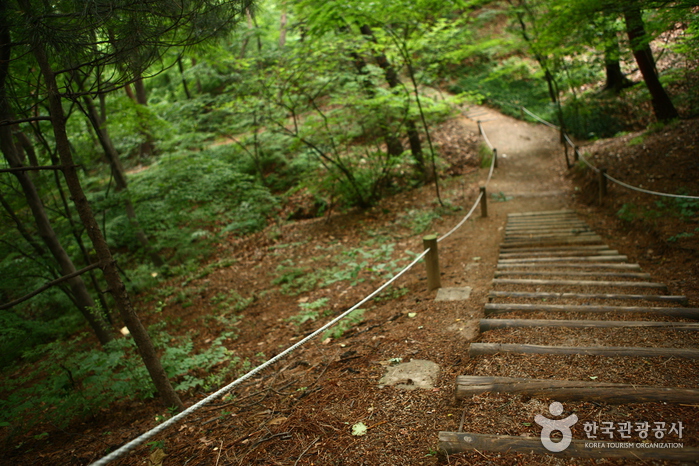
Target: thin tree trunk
(282, 28)
(184, 81)
(394, 81)
(86, 304)
(119, 175)
(111, 273)
(635, 29)
(147, 147)
(393, 145)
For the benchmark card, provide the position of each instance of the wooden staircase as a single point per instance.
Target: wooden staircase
(554, 267)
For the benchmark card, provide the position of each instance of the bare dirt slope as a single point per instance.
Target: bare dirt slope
(301, 412)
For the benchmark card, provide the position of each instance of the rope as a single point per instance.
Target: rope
(614, 180)
(536, 117)
(487, 141)
(140, 440)
(475, 204)
(133, 444)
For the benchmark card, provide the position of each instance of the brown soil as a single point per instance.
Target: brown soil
(301, 411)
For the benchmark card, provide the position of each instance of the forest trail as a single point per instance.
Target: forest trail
(531, 168)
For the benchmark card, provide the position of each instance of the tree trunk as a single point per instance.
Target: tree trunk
(111, 273)
(147, 147)
(394, 81)
(184, 81)
(393, 145)
(119, 175)
(282, 28)
(616, 80)
(86, 304)
(635, 29)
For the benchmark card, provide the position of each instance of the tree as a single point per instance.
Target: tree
(127, 37)
(640, 46)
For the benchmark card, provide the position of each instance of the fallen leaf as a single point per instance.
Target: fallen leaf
(277, 421)
(359, 429)
(156, 458)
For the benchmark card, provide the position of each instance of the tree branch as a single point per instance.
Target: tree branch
(48, 285)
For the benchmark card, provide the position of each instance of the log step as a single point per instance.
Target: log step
(598, 258)
(543, 295)
(572, 228)
(526, 255)
(561, 248)
(545, 236)
(641, 276)
(500, 308)
(479, 349)
(573, 390)
(554, 241)
(542, 213)
(534, 282)
(571, 265)
(451, 443)
(492, 324)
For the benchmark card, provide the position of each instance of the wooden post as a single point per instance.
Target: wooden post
(432, 262)
(495, 157)
(565, 147)
(575, 153)
(484, 202)
(602, 182)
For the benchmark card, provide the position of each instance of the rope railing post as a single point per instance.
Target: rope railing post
(432, 262)
(484, 202)
(602, 182)
(495, 157)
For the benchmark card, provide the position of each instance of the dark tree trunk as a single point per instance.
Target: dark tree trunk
(147, 147)
(82, 296)
(111, 273)
(393, 145)
(184, 81)
(394, 81)
(662, 105)
(119, 175)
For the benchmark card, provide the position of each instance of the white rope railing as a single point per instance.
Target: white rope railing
(141, 439)
(596, 169)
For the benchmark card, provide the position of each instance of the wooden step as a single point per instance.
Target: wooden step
(451, 443)
(640, 276)
(554, 241)
(573, 390)
(543, 295)
(558, 248)
(565, 265)
(544, 236)
(572, 228)
(535, 282)
(492, 324)
(479, 349)
(525, 255)
(500, 308)
(541, 213)
(599, 258)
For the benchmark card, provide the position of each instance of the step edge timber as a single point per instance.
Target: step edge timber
(573, 390)
(567, 265)
(639, 275)
(542, 212)
(539, 294)
(493, 324)
(590, 247)
(547, 260)
(459, 442)
(591, 252)
(553, 242)
(479, 349)
(498, 308)
(533, 281)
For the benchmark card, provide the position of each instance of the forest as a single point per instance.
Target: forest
(141, 136)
